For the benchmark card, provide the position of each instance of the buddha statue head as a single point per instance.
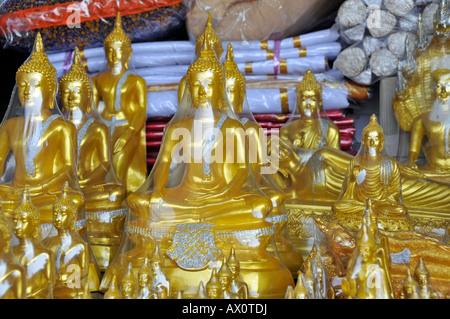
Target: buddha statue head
(75, 87)
(144, 274)
(205, 79)
(118, 46)
(421, 274)
(216, 43)
(233, 263)
(441, 79)
(234, 82)
(128, 284)
(213, 286)
(65, 211)
(25, 217)
(36, 80)
(309, 96)
(373, 137)
(113, 291)
(225, 275)
(365, 244)
(301, 290)
(5, 234)
(410, 288)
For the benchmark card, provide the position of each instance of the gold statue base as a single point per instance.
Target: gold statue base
(104, 255)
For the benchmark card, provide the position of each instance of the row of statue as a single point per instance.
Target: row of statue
(74, 189)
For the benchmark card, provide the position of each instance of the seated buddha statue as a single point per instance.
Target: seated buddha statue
(410, 287)
(309, 130)
(216, 44)
(430, 132)
(214, 287)
(70, 250)
(423, 278)
(373, 175)
(235, 85)
(121, 98)
(128, 284)
(105, 203)
(38, 260)
(238, 286)
(38, 145)
(213, 198)
(12, 274)
(144, 281)
(368, 275)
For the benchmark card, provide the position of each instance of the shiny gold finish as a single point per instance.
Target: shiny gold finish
(105, 196)
(310, 131)
(113, 291)
(297, 42)
(372, 175)
(236, 90)
(368, 271)
(301, 290)
(144, 281)
(410, 289)
(430, 132)
(214, 287)
(126, 117)
(44, 158)
(70, 250)
(283, 67)
(38, 260)
(422, 276)
(128, 284)
(13, 275)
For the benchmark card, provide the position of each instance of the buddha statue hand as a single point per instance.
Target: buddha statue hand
(123, 140)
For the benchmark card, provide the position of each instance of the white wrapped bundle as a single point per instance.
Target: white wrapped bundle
(317, 64)
(164, 103)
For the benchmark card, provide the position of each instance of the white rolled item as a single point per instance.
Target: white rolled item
(317, 64)
(164, 103)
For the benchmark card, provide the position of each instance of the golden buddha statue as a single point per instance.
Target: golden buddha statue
(128, 284)
(38, 145)
(38, 260)
(434, 125)
(238, 286)
(422, 276)
(235, 84)
(12, 274)
(201, 291)
(410, 288)
(310, 279)
(160, 284)
(214, 287)
(301, 290)
(373, 175)
(415, 93)
(144, 281)
(310, 130)
(70, 250)
(216, 45)
(368, 275)
(104, 194)
(225, 276)
(113, 291)
(323, 287)
(124, 108)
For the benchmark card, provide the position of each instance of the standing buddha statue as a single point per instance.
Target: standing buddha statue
(70, 250)
(38, 260)
(235, 85)
(12, 274)
(124, 107)
(104, 194)
(410, 287)
(423, 278)
(38, 145)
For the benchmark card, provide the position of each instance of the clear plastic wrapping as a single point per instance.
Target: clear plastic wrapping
(67, 24)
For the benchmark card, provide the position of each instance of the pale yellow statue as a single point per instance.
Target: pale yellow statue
(373, 175)
(104, 194)
(225, 276)
(301, 290)
(113, 291)
(410, 288)
(238, 286)
(310, 131)
(214, 287)
(12, 274)
(422, 276)
(430, 132)
(124, 107)
(368, 275)
(144, 281)
(128, 284)
(201, 291)
(38, 260)
(70, 250)
(41, 142)
(235, 84)
(216, 45)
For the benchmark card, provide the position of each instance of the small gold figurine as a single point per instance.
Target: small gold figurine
(70, 250)
(144, 280)
(410, 288)
(128, 284)
(201, 291)
(12, 274)
(301, 290)
(124, 108)
(41, 142)
(214, 287)
(238, 286)
(105, 196)
(235, 84)
(113, 291)
(373, 175)
(38, 260)
(422, 276)
(310, 131)
(434, 125)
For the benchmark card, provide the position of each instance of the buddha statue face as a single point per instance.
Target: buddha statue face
(213, 292)
(224, 281)
(373, 142)
(63, 217)
(33, 90)
(73, 96)
(366, 254)
(443, 87)
(421, 278)
(115, 53)
(143, 279)
(128, 289)
(308, 102)
(205, 88)
(24, 224)
(235, 94)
